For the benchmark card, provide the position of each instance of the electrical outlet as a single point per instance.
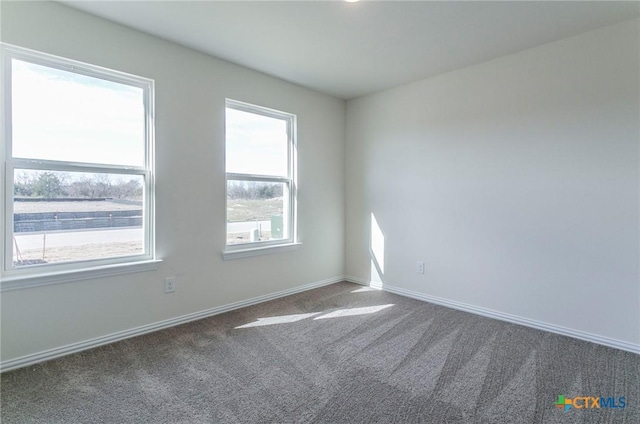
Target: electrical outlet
(420, 268)
(170, 284)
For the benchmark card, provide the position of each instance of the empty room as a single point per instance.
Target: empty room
(320, 212)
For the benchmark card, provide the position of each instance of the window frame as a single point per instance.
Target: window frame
(233, 251)
(9, 272)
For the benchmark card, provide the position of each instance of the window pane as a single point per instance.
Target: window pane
(73, 216)
(60, 115)
(256, 144)
(256, 211)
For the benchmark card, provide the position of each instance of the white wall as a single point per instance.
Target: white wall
(190, 92)
(516, 181)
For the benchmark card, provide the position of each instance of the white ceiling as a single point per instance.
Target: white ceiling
(351, 49)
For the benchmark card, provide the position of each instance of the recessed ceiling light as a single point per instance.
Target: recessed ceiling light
(352, 1)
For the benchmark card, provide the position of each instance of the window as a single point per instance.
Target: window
(78, 165)
(260, 166)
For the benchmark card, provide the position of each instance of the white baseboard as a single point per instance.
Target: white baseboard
(49, 354)
(357, 280)
(594, 338)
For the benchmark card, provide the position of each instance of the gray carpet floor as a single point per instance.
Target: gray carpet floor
(337, 354)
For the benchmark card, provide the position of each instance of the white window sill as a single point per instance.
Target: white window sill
(45, 279)
(228, 255)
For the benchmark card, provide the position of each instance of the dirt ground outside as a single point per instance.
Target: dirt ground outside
(81, 252)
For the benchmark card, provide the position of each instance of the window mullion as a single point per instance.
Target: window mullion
(8, 224)
(52, 165)
(259, 178)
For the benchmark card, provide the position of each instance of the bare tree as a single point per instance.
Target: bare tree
(50, 184)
